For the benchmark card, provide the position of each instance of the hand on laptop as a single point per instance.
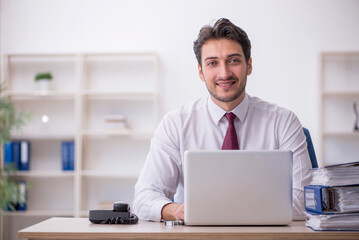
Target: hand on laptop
(173, 211)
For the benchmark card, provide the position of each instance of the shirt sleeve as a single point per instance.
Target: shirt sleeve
(160, 174)
(292, 138)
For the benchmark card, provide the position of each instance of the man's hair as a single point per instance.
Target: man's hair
(223, 28)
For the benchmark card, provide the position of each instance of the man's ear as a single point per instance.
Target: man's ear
(200, 72)
(249, 66)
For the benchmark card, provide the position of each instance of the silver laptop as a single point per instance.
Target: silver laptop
(238, 187)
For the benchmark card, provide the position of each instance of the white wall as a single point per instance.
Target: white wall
(287, 37)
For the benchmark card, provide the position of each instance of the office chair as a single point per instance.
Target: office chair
(311, 151)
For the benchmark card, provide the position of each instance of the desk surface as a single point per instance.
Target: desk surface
(81, 228)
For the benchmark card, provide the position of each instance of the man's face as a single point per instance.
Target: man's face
(224, 71)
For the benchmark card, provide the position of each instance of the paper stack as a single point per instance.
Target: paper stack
(334, 222)
(332, 199)
(336, 175)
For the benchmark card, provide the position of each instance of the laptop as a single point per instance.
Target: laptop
(238, 187)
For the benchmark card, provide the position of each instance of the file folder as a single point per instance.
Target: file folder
(65, 156)
(24, 164)
(315, 199)
(16, 153)
(8, 155)
(331, 199)
(21, 206)
(71, 146)
(68, 156)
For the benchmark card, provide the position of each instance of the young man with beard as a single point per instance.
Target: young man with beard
(223, 52)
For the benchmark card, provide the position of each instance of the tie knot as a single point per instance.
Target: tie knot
(230, 117)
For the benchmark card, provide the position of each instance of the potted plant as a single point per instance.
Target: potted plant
(42, 80)
(10, 119)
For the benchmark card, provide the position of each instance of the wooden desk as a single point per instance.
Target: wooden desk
(81, 228)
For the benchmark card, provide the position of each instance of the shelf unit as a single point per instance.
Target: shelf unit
(339, 86)
(86, 88)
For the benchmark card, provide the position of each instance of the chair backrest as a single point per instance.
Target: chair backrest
(311, 151)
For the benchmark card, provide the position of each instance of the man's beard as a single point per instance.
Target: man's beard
(232, 97)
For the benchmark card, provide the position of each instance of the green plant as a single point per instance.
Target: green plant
(43, 76)
(10, 119)
(9, 189)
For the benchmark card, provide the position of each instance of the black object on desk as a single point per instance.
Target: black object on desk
(119, 215)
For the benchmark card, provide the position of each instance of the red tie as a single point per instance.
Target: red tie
(230, 141)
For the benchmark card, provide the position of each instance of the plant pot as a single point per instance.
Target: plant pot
(43, 85)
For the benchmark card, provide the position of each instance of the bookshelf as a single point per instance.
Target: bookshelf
(339, 86)
(87, 90)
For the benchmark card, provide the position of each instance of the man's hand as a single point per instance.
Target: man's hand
(173, 211)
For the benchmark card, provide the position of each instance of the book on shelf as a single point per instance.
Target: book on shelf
(332, 198)
(116, 122)
(17, 155)
(68, 155)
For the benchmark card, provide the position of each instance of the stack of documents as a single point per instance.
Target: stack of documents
(332, 199)
(347, 198)
(336, 175)
(333, 222)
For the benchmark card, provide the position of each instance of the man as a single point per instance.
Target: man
(224, 62)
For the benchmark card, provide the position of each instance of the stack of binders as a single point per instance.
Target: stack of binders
(17, 155)
(21, 202)
(332, 199)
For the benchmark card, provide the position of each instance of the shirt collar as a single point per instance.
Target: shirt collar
(217, 113)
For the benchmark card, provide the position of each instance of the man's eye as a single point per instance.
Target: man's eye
(235, 60)
(212, 63)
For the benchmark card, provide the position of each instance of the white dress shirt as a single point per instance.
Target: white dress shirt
(201, 125)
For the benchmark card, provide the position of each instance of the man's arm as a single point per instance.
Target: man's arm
(292, 138)
(160, 175)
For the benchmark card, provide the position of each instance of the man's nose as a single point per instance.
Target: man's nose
(224, 72)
